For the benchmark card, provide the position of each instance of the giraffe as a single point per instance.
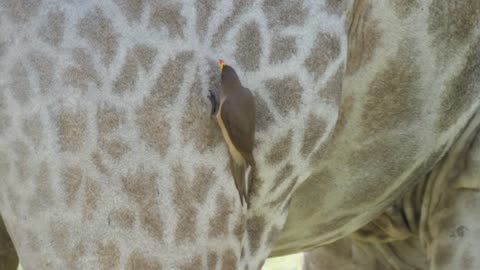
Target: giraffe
(109, 160)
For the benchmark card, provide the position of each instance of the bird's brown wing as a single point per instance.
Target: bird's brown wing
(237, 118)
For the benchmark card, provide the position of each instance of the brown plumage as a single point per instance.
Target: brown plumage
(236, 118)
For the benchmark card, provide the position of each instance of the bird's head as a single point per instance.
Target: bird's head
(229, 76)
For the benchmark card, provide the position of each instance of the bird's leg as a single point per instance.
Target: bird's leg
(213, 99)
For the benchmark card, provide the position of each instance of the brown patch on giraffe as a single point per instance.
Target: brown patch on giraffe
(452, 23)
(281, 176)
(108, 255)
(33, 128)
(332, 92)
(42, 197)
(115, 147)
(462, 91)
(98, 162)
(218, 225)
(264, 117)
(286, 93)
(255, 229)
(249, 47)
(128, 76)
(442, 255)
(282, 49)
(229, 260)
(197, 126)
(314, 130)
(59, 236)
(392, 99)
(83, 73)
(284, 196)
(285, 13)
(204, 10)
(467, 260)
(92, 195)
(98, 30)
(22, 161)
(212, 260)
(363, 36)
(20, 83)
(136, 260)
(239, 7)
(194, 264)
(325, 50)
(53, 29)
(168, 16)
(109, 118)
(403, 8)
(44, 68)
(280, 149)
(239, 228)
(123, 217)
(345, 110)
(71, 130)
(145, 55)
(153, 127)
(168, 83)
(186, 208)
(72, 257)
(21, 10)
(202, 182)
(334, 7)
(132, 9)
(71, 180)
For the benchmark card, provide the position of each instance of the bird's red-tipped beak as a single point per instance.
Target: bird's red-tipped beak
(221, 63)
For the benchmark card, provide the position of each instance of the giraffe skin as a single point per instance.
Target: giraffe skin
(109, 160)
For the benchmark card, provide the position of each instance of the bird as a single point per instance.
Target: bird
(235, 115)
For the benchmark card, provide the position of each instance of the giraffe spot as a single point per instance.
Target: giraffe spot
(212, 260)
(170, 17)
(136, 260)
(109, 118)
(332, 92)
(71, 130)
(108, 255)
(392, 98)
(44, 69)
(22, 162)
(239, 228)
(132, 9)
(285, 195)
(273, 235)
(286, 93)
(363, 37)
(239, 7)
(98, 162)
(128, 76)
(194, 264)
(98, 30)
(462, 91)
(467, 260)
(403, 8)
(123, 217)
(151, 222)
(334, 7)
(168, 83)
(229, 260)
(452, 22)
(282, 49)
(264, 117)
(92, 195)
(186, 209)
(218, 225)
(19, 83)
(202, 182)
(345, 111)
(197, 125)
(255, 229)
(314, 129)
(33, 128)
(442, 255)
(280, 149)
(115, 147)
(281, 176)
(71, 179)
(73, 256)
(249, 47)
(145, 55)
(52, 31)
(153, 127)
(325, 50)
(21, 10)
(285, 13)
(204, 10)
(59, 236)
(83, 73)
(42, 197)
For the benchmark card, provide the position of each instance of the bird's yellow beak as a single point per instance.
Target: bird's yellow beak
(221, 63)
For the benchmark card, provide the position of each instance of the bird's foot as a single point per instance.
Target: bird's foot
(213, 99)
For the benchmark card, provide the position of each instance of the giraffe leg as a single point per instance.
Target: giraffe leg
(8, 255)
